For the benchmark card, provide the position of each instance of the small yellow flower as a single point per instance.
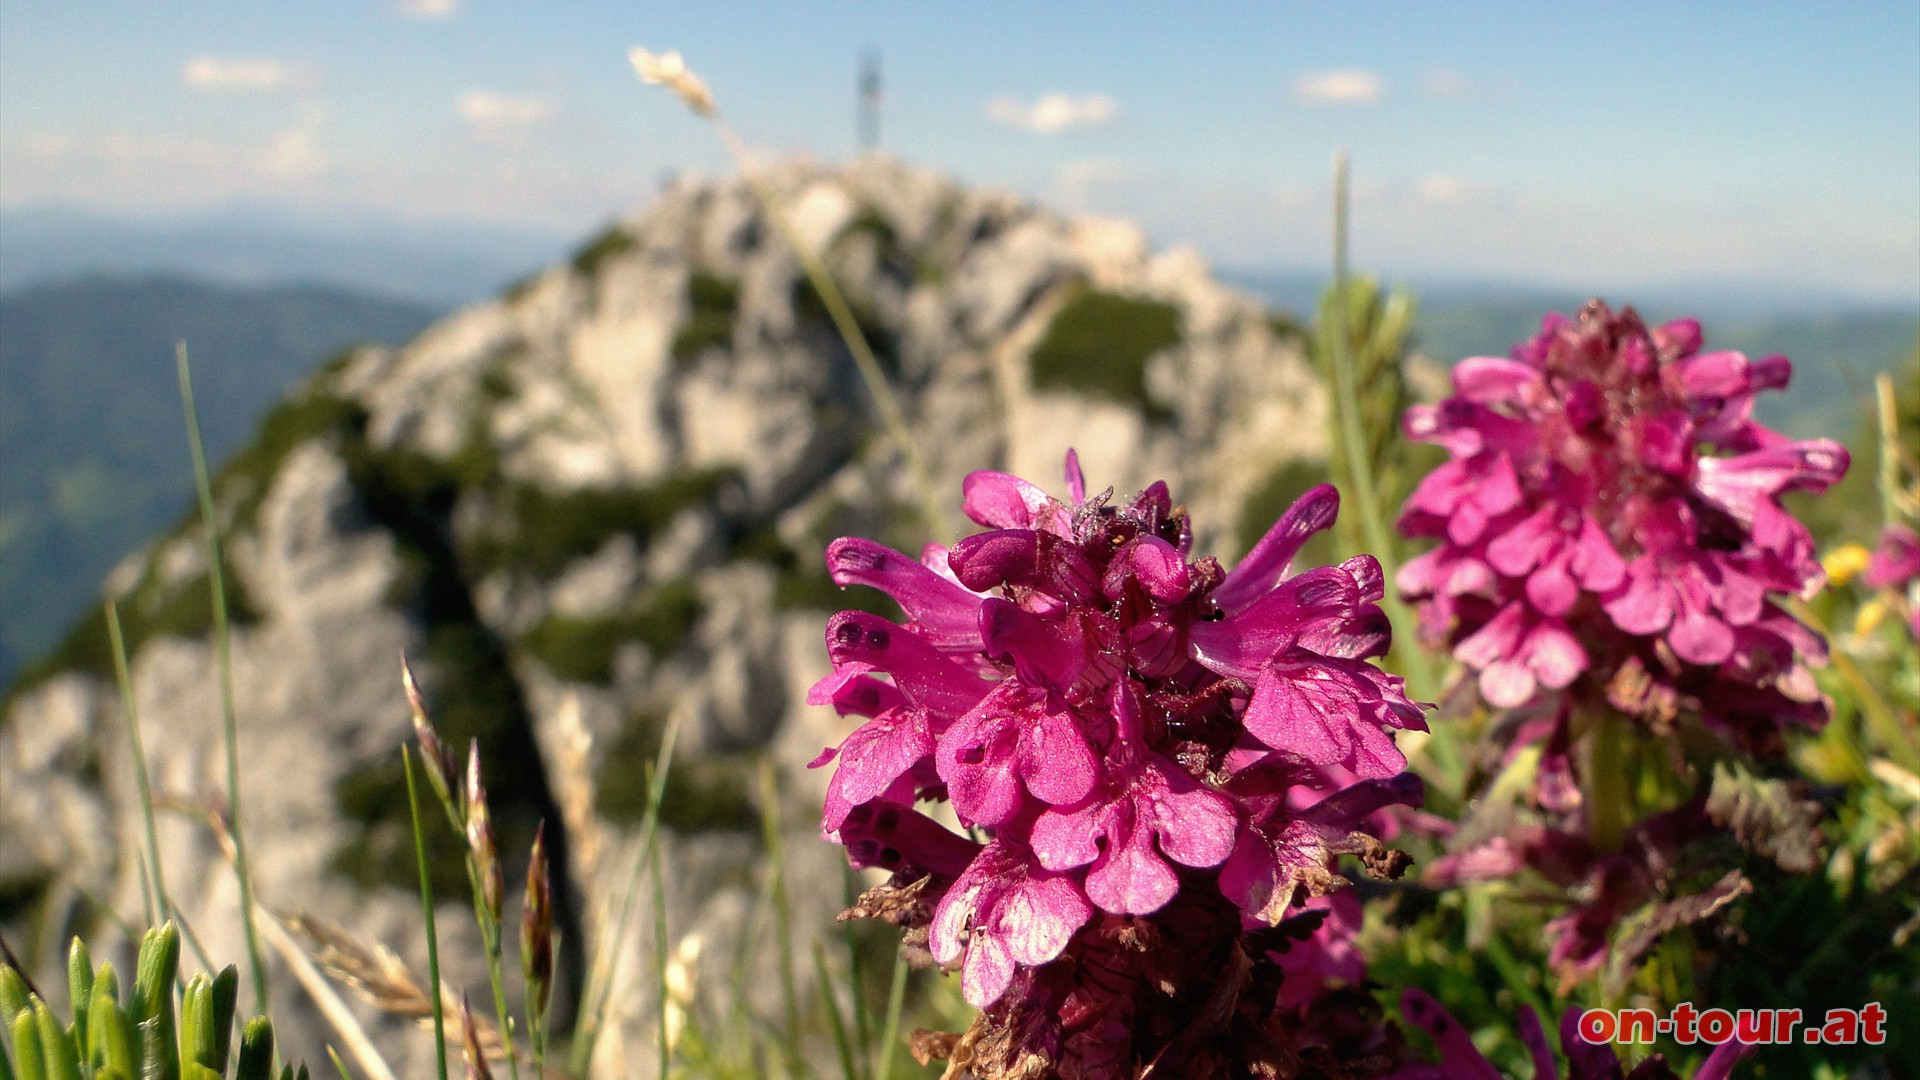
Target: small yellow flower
(1871, 615)
(669, 70)
(1843, 564)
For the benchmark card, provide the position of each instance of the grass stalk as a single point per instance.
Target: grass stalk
(1607, 782)
(658, 886)
(842, 1045)
(932, 510)
(155, 910)
(694, 94)
(782, 909)
(1411, 660)
(426, 915)
(890, 1028)
(1886, 412)
(600, 981)
(856, 972)
(223, 650)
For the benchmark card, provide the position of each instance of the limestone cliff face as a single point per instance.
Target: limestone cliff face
(595, 506)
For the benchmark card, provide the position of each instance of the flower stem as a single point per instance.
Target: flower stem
(223, 650)
(1607, 783)
(1410, 659)
(891, 415)
(426, 915)
(158, 905)
(1887, 413)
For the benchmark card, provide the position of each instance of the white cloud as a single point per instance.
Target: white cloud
(1440, 189)
(229, 73)
(294, 154)
(1054, 113)
(427, 10)
(1347, 87)
(488, 110)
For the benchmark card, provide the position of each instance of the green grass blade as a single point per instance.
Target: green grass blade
(601, 988)
(223, 648)
(226, 999)
(841, 1044)
(772, 836)
(79, 988)
(338, 1065)
(62, 1059)
(154, 975)
(121, 676)
(6, 1062)
(196, 1024)
(890, 1030)
(256, 1051)
(426, 915)
(856, 972)
(32, 1061)
(110, 1039)
(659, 887)
(14, 998)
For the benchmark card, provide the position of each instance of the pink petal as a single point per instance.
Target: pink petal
(999, 501)
(1076, 480)
(946, 613)
(1055, 761)
(1130, 878)
(1507, 684)
(1492, 379)
(1272, 556)
(922, 674)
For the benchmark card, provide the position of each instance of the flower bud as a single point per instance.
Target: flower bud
(536, 927)
(480, 844)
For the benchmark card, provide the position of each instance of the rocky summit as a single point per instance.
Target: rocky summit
(593, 509)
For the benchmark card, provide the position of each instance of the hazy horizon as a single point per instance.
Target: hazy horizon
(1613, 149)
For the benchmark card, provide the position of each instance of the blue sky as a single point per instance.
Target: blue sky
(1600, 146)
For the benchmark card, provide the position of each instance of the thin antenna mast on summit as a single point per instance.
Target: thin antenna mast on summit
(869, 112)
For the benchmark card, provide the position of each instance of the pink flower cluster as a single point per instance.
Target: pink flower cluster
(1118, 723)
(1611, 511)
(1896, 565)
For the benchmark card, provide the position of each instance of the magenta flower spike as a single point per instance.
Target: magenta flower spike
(1610, 518)
(1129, 732)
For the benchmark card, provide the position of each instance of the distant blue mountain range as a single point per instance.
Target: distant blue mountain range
(1837, 343)
(443, 265)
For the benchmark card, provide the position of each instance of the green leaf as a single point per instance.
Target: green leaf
(79, 988)
(109, 1033)
(63, 1061)
(26, 1044)
(256, 1051)
(226, 995)
(13, 995)
(196, 1024)
(154, 976)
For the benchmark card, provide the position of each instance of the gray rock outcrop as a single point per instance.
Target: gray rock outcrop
(593, 508)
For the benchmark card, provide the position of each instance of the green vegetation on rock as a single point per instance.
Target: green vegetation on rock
(611, 241)
(712, 303)
(541, 531)
(583, 649)
(1099, 345)
(705, 794)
